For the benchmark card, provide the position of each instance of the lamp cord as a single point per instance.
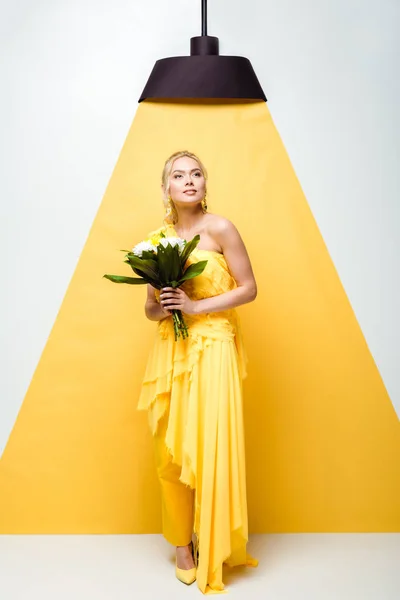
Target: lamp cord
(203, 17)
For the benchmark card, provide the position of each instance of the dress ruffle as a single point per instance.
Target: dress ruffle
(169, 360)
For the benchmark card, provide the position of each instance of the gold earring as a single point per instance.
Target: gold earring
(169, 212)
(204, 204)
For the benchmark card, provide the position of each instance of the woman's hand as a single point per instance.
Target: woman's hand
(176, 298)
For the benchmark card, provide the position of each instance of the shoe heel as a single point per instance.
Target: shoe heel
(195, 552)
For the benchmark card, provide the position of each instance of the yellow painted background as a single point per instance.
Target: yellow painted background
(323, 439)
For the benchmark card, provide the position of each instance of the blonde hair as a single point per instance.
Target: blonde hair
(173, 215)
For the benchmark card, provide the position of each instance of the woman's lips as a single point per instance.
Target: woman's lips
(190, 192)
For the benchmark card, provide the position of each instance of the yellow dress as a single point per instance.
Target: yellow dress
(198, 382)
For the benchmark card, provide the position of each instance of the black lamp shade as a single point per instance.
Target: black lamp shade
(204, 74)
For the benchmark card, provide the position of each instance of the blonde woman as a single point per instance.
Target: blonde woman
(192, 388)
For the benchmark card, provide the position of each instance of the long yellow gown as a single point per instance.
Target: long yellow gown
(198, 383)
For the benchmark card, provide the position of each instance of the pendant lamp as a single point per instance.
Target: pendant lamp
(203, 74)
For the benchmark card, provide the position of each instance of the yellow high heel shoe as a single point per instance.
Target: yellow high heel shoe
(187, 576)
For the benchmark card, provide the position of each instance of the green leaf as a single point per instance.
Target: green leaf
(188, 249)
(123, 279)
(141, 273)
(146, 265)
(155, 281)
(148, 254)
(150, 261)
(164, 265)
(193, 270)
(175, 263)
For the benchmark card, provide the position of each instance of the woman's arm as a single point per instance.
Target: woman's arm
(238, 261)
(227, 236)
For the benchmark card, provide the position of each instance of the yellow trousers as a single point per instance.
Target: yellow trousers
(177, 498)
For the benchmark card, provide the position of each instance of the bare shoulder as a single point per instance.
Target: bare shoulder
(226, 234)
(223, 230)
(216, 222)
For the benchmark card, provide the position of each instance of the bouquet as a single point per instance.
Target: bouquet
(160, 261)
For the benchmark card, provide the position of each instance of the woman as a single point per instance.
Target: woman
(192, 387)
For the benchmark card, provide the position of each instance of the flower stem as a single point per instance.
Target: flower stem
(180, 327)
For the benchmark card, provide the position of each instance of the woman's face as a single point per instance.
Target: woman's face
(187, 184)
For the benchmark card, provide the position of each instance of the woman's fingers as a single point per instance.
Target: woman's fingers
(171, 302)
(174, 293)
(172, 298)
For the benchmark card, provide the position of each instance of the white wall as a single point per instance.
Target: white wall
(70, 75)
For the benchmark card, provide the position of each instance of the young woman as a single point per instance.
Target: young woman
(192, 387)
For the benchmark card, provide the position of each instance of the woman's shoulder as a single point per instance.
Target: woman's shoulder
(223, 231)
(219, 224)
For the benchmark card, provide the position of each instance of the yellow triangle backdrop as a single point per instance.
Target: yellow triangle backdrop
(323, 439)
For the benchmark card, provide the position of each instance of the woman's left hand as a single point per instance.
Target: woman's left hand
(176, 298)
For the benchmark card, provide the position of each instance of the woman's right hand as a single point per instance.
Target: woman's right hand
(165, 311)
(153, 308)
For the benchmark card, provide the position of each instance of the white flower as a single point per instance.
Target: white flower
(174, 241)
(143, 247)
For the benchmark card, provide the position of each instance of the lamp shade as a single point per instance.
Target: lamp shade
(203, 74)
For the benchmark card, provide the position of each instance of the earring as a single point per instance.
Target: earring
(204, 203)
(169, 211)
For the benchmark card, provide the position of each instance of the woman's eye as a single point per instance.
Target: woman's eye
(198, 173)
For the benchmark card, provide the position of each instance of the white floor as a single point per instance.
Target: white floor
(125, 567)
